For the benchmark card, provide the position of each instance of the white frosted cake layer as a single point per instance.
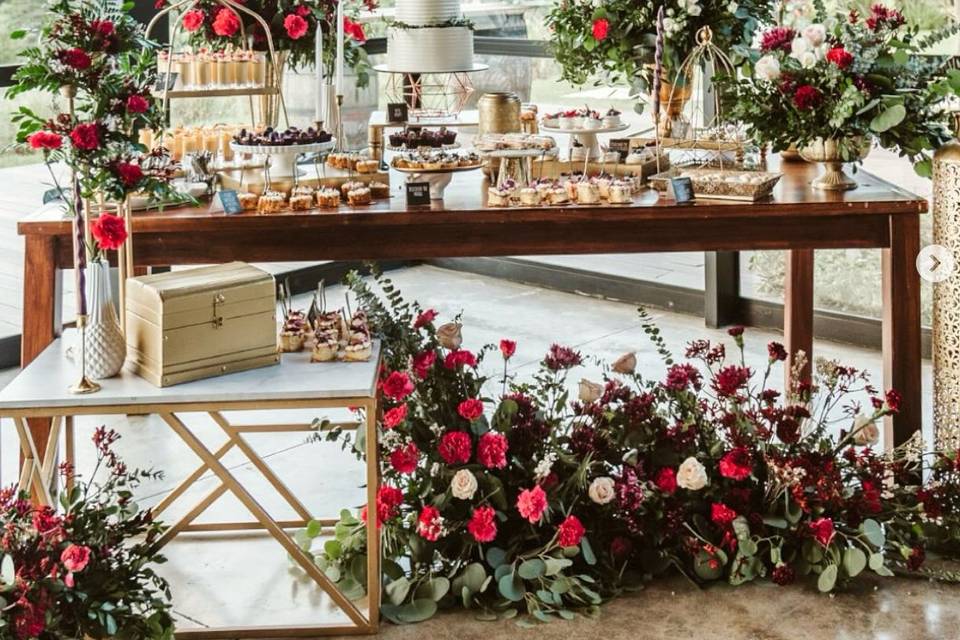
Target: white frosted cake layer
(427, 12)
(430, 49)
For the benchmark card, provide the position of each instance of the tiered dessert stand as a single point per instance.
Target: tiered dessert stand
(586, 137)
(438, 178)
(517, 164)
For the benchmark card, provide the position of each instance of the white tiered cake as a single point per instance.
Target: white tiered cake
(427, 40)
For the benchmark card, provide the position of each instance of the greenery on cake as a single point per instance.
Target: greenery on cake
(452, 22)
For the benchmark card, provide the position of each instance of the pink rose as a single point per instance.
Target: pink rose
(75, 558)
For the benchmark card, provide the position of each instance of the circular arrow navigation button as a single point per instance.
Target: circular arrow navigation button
(936, 263)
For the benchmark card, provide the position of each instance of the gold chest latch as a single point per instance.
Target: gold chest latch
(218, 300)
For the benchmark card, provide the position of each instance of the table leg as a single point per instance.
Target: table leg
(373, 533)
(41, 313)
(798, 309)
(901, 327)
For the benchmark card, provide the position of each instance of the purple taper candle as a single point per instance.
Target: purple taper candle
(80, 249)
(658, 66)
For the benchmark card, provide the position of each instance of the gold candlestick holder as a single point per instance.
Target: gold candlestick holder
(84, 385)
(339, 127)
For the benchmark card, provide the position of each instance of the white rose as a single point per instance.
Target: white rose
(815, 34)
(798, 47)
(590, 391)
(807, 59)
(601, 490)
(767, 68)
(732, 7)
(866, 431)
(463, 485)
(691, 475)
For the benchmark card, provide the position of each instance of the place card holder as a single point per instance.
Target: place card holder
(680, 189)
(226, 201)
(418, 194)
(397, 112)
(621, 146)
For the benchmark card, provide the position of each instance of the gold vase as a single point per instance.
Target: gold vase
(673, 97)
(946, 300)
(832, 153)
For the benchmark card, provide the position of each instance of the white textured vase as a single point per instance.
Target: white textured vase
(106, 348)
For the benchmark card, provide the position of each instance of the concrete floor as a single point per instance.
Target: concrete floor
(225, 583)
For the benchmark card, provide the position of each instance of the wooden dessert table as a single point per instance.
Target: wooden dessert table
(798, 219)
(41, 390)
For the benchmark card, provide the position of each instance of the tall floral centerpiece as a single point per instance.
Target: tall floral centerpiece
(614, 42)
(293, 28)
(536, 496)
(88, 570)
(96, 57)
(838, 86)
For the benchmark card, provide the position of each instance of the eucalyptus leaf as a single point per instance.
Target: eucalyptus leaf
(827, 579)
(473, 576)
(556, 565)
(434, 589)
(397, 590)
(873, 531)
(511, 587)
(588, 556)
(854, 561)
(417, 611)
(8, 572)
(888, 119)
(532, 569)
(496, 556)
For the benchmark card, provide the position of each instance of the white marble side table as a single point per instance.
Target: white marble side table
(41, 390)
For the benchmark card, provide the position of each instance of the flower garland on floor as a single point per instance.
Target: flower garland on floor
(535, 503)
(87, 572)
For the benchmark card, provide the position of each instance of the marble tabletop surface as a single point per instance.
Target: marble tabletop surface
(45, 383)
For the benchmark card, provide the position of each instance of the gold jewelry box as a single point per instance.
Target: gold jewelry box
(199, 323)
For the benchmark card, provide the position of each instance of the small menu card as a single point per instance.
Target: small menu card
(418, 194)
(397, 112)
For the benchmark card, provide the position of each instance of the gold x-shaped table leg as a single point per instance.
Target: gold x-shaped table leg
(36, 474)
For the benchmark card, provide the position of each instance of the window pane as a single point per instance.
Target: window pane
(16, 14)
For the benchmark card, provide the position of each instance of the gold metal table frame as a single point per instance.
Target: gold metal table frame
(40, 474)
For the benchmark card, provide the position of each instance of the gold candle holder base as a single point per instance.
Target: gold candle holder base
(85, 385)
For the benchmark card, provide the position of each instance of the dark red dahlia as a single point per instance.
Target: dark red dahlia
(778, 38)
(681, 376)
(560, 357)
(737, 464)
(807, 97)
(776, 351)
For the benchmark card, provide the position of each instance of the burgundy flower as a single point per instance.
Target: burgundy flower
(823, 531)
(621, 547)
(425, 318)
(783, 574)
(666, 480)
(76, 58)
(776, 351)
(296, 26)
(455, 447)
(778, 38)
(85, 136)
(729, 380)
(893, 400)
(840, 57)
(109, 231)
(129, 173)
(45, 140)
(137, 104)
(681, 376)
(559, 357)
(916, 558)
(807, 97)
(103, 28)
(736, 464)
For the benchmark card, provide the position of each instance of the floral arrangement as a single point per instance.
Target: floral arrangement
(84, 572)
(293, 28)
(615, 40)
(95, 53)
(861, 78)
(538, 503)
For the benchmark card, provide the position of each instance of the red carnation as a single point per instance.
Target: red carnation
(492, 450)
(666, 480)
(354, 30)
(721, 514)
(109, 231)
(840, 57)
(103, 28)
(395, 416)
(459, 358)
(470, 409)
(893, 400)
(570, 532)
(483, 524)
(822, 530)
(425, 318)
(430, 524)
(45, 140)
(130, 174)
(137, 104)
(85, 136)
(778, 38)
(404, 459)
(193, 19)
(397, 385)
(730, 379)
(776, 351)
(423, 362)
(302, 11)
(508, 348)
(560, 357)
(531, 503)
(807, 97)
(601, 27)
(226, 23)
(455, 447)
(76, 58)
(296, 26)
(388, 500)
(736, 464)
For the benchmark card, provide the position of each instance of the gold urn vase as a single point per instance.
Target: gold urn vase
(832, 153)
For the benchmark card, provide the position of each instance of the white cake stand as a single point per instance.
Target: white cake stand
(283, 158)
(438, 178)
(587, 137)
(517, 164)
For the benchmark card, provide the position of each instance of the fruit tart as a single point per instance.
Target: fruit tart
(293, 332)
